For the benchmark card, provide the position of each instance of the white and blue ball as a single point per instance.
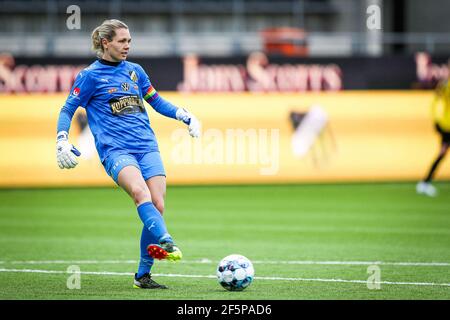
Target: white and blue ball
(235, 272)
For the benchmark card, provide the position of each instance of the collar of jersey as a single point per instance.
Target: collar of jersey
(109, 63)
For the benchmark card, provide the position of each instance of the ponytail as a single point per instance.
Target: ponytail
(107, 30)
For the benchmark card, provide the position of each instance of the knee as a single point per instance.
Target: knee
(159, 204)
(140, 194)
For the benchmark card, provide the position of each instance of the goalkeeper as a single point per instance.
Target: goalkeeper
(111, 90)
(441, 114)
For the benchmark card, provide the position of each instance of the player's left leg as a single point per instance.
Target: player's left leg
(155, 178)
(157, 187)
(158, 192)
(165, 249)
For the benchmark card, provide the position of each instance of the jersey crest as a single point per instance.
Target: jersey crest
(133, 76)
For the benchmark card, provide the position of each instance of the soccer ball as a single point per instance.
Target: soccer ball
(235, 272)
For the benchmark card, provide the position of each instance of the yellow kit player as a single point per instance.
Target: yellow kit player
(440, 109)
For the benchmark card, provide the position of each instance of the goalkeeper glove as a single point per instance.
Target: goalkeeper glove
(65, 152)
(189, 119)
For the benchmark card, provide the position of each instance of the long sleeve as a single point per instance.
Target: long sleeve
(65, 118)
(150, 95)
(80, 95)
(437, 97)
(163, 107)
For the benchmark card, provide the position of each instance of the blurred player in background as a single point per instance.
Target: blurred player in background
(441, 114)
(111, 90)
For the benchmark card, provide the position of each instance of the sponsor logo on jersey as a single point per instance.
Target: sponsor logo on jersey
(126, 105)
(133, 76)
(125, 86)
(76, 91)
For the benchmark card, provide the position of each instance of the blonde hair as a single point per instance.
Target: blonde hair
(107, 30)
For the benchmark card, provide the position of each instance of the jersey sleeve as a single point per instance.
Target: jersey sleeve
(150, 95)
(80, 94)
(82, 90)
(438, 96)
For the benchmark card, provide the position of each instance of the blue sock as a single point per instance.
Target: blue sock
(153, 232)
(154, 222)
(146, 261)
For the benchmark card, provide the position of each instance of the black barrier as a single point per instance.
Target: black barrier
(255, 72)
(279, 309)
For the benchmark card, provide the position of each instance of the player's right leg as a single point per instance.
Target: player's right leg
(131, 180)
(425, 186)
(143, 278)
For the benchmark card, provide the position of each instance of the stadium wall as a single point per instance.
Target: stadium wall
(253, 73)
(247, 138)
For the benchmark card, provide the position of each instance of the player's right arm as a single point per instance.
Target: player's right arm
(80, 94)
(438, 95)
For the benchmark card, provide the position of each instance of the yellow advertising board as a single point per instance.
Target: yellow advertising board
(246, 138)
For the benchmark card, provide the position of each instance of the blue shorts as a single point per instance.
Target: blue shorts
(150, 164)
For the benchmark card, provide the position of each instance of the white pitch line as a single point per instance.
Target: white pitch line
(70, 262)
(107, 273)
(208, 261)
(356, 263)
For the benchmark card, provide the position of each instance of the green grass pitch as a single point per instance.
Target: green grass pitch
(306, 242)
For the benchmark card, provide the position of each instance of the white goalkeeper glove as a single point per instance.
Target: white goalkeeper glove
(189, 119)
(65, 152)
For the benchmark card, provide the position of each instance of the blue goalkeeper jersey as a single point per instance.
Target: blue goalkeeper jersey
(112, 94)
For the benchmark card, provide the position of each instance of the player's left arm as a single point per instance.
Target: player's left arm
(166, 108)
